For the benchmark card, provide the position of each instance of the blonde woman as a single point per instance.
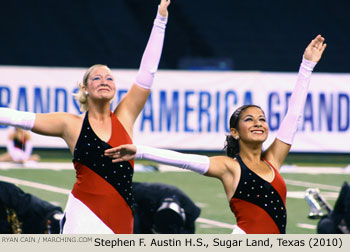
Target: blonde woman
(101, 199)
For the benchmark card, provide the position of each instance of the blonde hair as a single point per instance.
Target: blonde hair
(82, 96)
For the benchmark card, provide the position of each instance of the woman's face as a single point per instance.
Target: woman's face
(19, 133)
(252, 126)
(101, 84)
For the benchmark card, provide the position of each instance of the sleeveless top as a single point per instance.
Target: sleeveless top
(259, 206)
(19, 144)
(104, 187)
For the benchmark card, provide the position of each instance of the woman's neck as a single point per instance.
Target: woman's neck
(99, 113)
(251, 154)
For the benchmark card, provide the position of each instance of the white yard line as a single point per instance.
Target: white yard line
(306, 226)
(314, 170)
(199, 220)
(66, 192)
(37, 166)
(308, 184)
(215, 223)
(301, 195)
(167, 168)
(35, 185)
(163, 168)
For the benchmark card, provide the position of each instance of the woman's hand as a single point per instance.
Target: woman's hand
(121, 153)
(163, 7)
(314, 50)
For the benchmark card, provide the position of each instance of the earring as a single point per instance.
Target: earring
(236, 137)
(86, 93)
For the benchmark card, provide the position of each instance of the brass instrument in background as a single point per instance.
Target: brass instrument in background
(12, 219)
(16, 226)
(318, 205)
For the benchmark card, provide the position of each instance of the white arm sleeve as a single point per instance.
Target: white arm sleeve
(16, 154)
(151, 56)
(28, 150)
(294, 115)
(20, 119)
(196, 163)
(11, 148)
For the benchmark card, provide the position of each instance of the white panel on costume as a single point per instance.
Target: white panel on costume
(18, 155)
(237, 230)
(81, 220)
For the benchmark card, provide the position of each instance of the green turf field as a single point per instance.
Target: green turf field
(206, 192)
(307, 159)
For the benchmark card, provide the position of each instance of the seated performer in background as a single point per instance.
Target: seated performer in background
(338, 220)
(24, 213)
(163, 209)
(19, 148)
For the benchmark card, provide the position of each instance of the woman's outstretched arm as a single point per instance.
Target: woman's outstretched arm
(132, 104)
(279, 149)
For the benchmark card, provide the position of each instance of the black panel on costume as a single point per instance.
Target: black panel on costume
(89, 151)
(256, 190)
(18, 144)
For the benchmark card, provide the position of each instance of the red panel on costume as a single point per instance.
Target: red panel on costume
(103, 186)
(119, 135)
(278, 183)
(259, 220)
(259, 206)
(103, 200)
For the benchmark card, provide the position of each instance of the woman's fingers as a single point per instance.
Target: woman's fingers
(112, 151)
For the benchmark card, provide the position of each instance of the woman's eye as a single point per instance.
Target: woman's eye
(110, 79)
(96, 78)
(248, 119)
(263, 119)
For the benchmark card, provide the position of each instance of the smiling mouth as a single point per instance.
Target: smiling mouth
(257, 131)
(104, 89)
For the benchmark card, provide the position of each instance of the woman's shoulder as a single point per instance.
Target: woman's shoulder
(67, 120)
(74, 120)
(226, 169)
(12, 136)
(229, 162)
(68, 116)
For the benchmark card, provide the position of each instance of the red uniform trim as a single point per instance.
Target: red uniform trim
(103, 200)
(119, 135)
(253, 219)
(259, 221)
(278, 183)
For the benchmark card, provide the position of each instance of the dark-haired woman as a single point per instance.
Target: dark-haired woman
(254, 188)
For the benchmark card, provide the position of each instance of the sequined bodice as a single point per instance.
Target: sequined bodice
(269, 198)
(89, 151)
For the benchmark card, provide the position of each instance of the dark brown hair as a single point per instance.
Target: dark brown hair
(232, 145)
